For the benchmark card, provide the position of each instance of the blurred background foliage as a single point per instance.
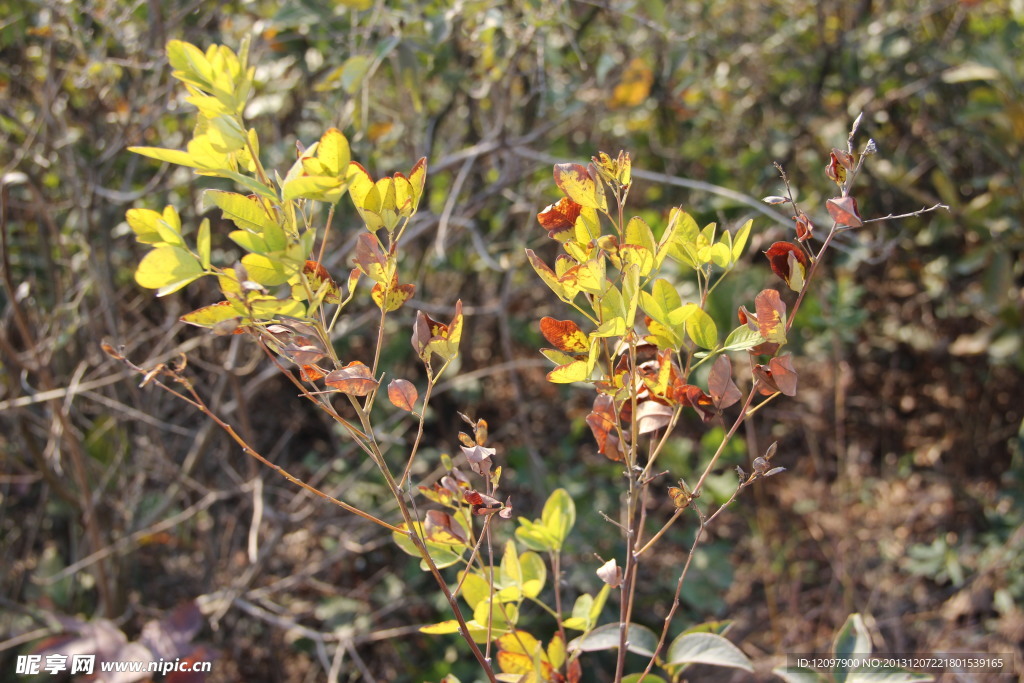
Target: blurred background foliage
(904, 448)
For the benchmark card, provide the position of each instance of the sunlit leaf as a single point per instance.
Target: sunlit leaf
(354, 379)
(167, 269)
(576, 182)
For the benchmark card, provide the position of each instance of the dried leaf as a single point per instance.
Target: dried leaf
(844, 211)
(402, 394)
(353, 379)
(611, 573)
(724, 391)
(603, 423)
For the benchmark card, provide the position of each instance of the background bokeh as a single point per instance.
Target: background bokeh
(903, 496)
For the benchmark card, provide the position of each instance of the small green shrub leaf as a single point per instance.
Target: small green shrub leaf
(707, 648)
(167, 269)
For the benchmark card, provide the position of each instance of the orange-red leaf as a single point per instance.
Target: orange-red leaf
(317, 275)
(564, 335)
(771, 312)
(560, 217)
(844, 211)
(603, 423)
(778, 375)
(402, 394)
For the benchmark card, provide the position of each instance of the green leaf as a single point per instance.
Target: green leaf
(739, 241)
(559, 515)
(268, 270)
(249, 241)
(475, 588)
(190, 63)
(317, 188)
(203, 243)
(171, 156)
(534, 573)
(851, 640)
(642, 640)
(706, 648)
(649, 678)
(511, 572)
(701, 329)
(580, 619)
(548, 533)
(353, 71)
(799, 675)
(168, 269)
(143, 223)
(245, 212)
(742, 338)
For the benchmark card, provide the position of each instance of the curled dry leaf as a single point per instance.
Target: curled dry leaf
(611, 573)
(486, 505)
(844, 211)
(353, 379)
(402, 394)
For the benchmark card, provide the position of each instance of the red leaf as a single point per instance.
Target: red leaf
(560, 217)
(484, 504)
(402, 394)
(778, 257)
(724, 391)
(353, 379)
(844, 211)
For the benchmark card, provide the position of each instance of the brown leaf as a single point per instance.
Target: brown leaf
(694, 397)
(479, 458)
(844, 211)
(354, 379)
(724, 391)
(402, 394)
(778, 375)
(440, 528)
(652, 415)
(603, 423)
